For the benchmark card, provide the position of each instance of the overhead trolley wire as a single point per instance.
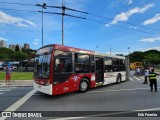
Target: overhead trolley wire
(18, 4)
(63, 7)
(18, 10)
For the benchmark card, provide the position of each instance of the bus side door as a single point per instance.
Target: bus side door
(99, 69)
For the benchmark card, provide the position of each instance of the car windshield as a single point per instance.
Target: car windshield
(42, 66)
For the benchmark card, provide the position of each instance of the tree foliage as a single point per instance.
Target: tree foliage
(10, 55)
(147, 57)
(17, 48)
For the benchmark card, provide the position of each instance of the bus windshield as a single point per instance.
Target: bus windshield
(42, 66)
(42, 63)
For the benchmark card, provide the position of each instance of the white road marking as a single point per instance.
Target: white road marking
(106, 114)
(136, 78)
(5, 90)
(1, 93)
(17, 104)
(131, 78)
(119, 90)
(8, 87)
(2, 84)
(142, 78)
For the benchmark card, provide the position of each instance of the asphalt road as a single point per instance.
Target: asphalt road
(120, 101)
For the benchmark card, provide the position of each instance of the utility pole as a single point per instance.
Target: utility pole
(63, 13)
(63, 7)
(43, 7)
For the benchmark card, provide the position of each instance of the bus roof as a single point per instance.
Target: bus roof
(108, 55)
(67, 48)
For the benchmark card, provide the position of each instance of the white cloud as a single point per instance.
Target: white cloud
(157, 38)
(130, 1)
(7, 19)
(156, 18)
(152, 48)
(35, 42)
(2, 38)
(124, 16)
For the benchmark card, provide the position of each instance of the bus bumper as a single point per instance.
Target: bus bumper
(42, 88)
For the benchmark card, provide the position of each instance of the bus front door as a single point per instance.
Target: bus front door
(99, 70)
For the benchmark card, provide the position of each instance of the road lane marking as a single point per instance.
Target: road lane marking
(17, 104)
(106, 114)
(119, 90)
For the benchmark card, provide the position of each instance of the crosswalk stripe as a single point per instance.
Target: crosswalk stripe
(5, 90)
(142, 78)
(131, 78)
(136, 78)
(8, 87)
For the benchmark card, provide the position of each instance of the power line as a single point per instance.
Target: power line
(123, 22)
(63, 7)
(97, 21)
(80, 18)
(18, 10)
(120, 26)
(18, 4)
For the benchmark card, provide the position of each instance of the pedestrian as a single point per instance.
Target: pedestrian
(153, 80)
(8, 74)
(138, 71)
(146, 74)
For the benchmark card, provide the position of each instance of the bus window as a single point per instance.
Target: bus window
(108, 64)
(82, 63)
(63, 65)
(63, 61)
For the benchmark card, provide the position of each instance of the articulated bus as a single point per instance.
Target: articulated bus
(61, 69)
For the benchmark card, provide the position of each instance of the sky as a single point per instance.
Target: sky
(119, 26)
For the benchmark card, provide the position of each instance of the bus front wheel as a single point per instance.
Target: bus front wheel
(84, 85)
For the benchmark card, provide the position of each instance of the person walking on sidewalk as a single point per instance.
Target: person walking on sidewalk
(8, 74)
(146, 74)
(153, 80)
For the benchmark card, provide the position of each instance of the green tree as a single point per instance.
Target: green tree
(137, 56)
(17, 48)
(20, 56)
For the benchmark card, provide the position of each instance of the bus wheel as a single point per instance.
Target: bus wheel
(84, 85)
(118, 78)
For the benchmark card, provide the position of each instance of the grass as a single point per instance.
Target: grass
(17, 75)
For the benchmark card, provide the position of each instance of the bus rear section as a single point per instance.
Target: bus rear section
(64, 69)
(110, 69)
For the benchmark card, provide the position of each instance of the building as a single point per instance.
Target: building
(3, 43)
(26, 46)
(13, 46)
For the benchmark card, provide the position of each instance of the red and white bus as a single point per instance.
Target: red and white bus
(61, 69)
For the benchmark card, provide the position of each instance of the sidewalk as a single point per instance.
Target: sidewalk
(17, 83)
